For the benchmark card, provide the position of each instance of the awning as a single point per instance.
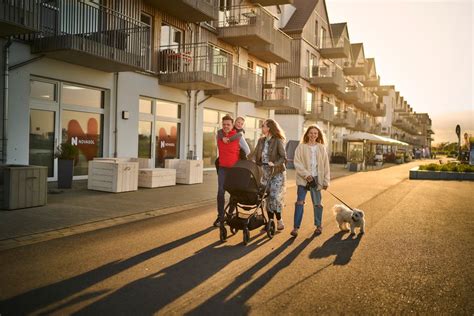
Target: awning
(372, 138)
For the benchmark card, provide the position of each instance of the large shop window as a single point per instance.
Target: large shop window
(76, 117)
(211, 124)
(159, 130)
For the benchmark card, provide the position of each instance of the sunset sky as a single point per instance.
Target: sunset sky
(424, 48)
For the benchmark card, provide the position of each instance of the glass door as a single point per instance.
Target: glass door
(43, 140)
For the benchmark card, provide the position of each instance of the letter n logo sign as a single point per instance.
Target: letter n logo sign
(74, 141)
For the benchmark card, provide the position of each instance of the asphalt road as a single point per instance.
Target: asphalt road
(416, 257)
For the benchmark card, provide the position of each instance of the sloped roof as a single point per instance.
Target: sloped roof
(304, 9)
(338, 29)
(371, 63)
(357, 48)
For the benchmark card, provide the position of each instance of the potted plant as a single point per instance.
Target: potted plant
(66, 153)
(355, 160)
(399, 158)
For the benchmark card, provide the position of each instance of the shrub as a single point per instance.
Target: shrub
(66, 151)
(338, 158)
(453, 167)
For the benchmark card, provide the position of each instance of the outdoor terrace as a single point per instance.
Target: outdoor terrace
(198, 66)
(329, 78)
(354, 93)
(19, 17)
(92, 36)
(335, 48)
(246, 86)
(283, 95)
(246, 26)
(353, 69)
(189, 10)
(277, 51)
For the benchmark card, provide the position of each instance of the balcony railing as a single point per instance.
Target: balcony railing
(371, 81)
(345, 118)
(329, 78)
(321, 111)
(278, 51)
(363, 125)
(335, 48)
(283, 95)
(189, 10)
(272, 2)
(353, 93)
(92, 36)
(380, 110)
(19, 17)
(197, 66)
(377, 129)
(246, 26)
(369, 101)
(354, 69)
(246, 86)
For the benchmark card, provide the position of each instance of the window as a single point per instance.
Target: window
(322, 37)
(171, 36)
(76, 95)
(250, 64)
(211, 124)
(43, 91)
(262, 72)
(253, 130)
(159, 127)
(309, 100)
(316, 28)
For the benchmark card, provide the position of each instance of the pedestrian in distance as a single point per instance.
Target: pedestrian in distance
(312, 174)
(271, 155)
(228, 156)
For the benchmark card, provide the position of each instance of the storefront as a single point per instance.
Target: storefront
(63, 112)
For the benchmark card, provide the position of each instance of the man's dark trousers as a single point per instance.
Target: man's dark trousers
(220, 191)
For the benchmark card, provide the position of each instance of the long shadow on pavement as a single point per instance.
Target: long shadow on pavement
(39, 298)
(150, 294)
(218, 304)
(342, 248)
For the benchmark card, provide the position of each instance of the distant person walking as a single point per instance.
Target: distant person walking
(270, 154)
(312, 174)
(228, 156)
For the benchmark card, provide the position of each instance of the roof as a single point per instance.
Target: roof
(338, 29)
(304, 9)
(357, 48)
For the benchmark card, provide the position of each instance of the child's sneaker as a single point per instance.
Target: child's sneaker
(280, 225)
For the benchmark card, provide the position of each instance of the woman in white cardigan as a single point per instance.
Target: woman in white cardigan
(312, 173)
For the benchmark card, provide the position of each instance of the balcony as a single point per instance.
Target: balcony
(272, 2)
(369, 101)
(284, 95)
(335, 48)
(189, 10)
(380, 110)
(246, 26)
(371, 81)
(377, 129)
(363, 125)
(197, 66)
(353, 93)
(356, 69)
(345, 118)
(321, 111)
(246, 86)
(278, 51)
(329, 78)
(92, 36)
(19, 17)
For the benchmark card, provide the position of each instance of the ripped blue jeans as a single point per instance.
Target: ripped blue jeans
(299, 206)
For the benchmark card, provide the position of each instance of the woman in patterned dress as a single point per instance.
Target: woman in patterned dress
(270, 154)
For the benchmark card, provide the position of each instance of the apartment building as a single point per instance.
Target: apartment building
(152, 79)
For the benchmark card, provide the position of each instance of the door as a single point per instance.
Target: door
(43, 140)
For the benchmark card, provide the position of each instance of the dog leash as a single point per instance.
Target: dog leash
(339, 200)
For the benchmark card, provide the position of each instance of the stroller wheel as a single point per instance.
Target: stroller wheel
(270, 228)
(246, 234)
(233, 230)
(223, 233)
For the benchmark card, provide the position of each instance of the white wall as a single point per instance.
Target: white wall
(292, 125)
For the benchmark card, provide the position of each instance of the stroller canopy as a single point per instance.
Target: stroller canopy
(244, 176)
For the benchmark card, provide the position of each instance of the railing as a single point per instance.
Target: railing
(193, 58)
(94, 29)
(247, 83)
(334, 48)
(322, 110)
(329, 71)
(23, 13)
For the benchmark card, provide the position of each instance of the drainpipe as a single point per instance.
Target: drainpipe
(116, 78)
(6, 52)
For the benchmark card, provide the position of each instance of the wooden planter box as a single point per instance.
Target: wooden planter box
(23, 186)
(113, 174)
(187, 171)
(157, 177)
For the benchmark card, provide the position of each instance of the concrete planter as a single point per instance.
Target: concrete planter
(355, 166)
(416, 174)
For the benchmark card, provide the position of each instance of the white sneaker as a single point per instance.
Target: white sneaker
(280, 225)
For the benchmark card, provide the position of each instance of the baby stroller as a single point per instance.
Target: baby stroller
(246, 208)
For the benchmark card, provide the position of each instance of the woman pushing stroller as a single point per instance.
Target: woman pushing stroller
(270, 154)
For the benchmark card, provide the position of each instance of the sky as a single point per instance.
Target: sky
(424, 48)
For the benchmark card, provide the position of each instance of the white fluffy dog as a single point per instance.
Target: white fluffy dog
(344, 216)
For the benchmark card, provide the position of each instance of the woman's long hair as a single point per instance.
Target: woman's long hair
(275, 129)
(320, 138)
